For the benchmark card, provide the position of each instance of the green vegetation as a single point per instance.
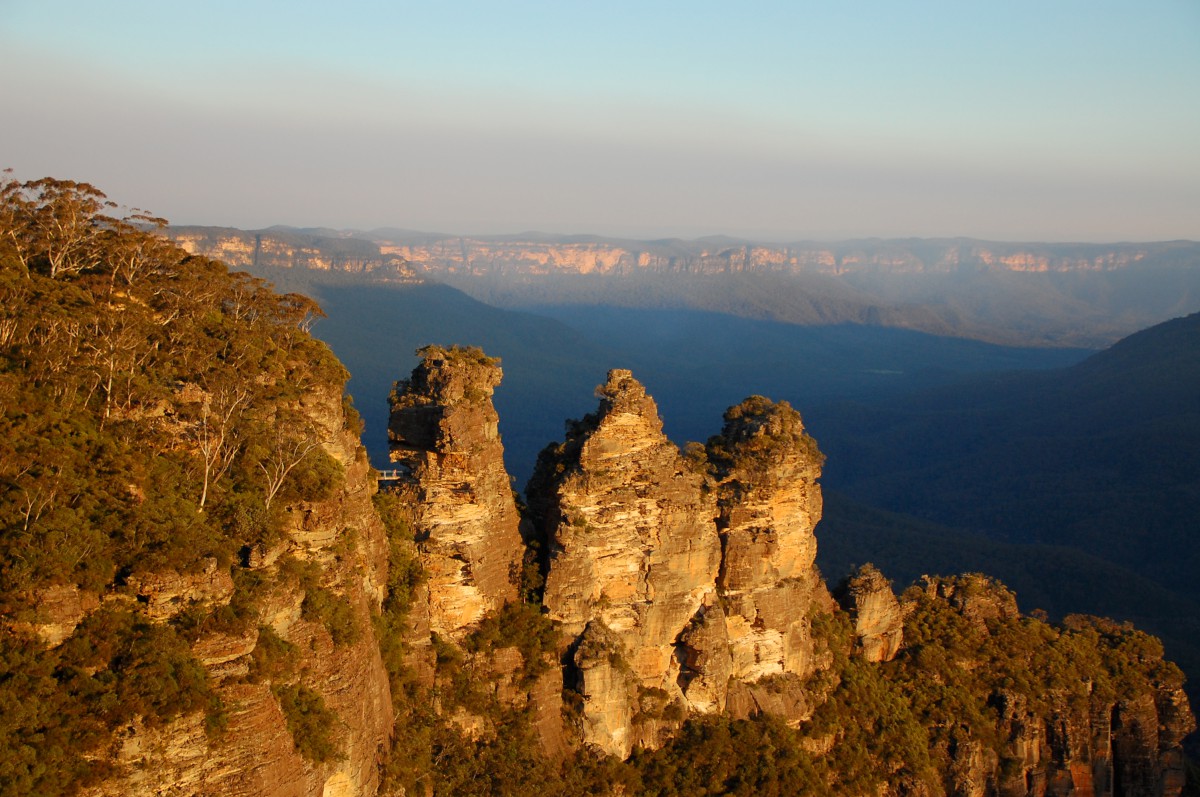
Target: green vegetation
(522, 626)
(311, 724)
(146, 397)
(150, 423)
(470, 355)
(320, 604)
(54, 705)
(755, 431)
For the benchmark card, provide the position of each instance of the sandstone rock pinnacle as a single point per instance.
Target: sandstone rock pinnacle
(766, 469)
(444, 432)
(878, 620)
(631, 541)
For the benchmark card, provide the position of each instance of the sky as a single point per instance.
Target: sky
(1049, 120)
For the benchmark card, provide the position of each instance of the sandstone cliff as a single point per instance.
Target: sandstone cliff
(482, 256)
(331, 252)
(200, 595)
(337, 546)
(395, 256)
(766, 469)
(1090, 708)
(695, 573)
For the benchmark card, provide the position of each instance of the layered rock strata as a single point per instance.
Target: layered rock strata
(698, 573)
(878, 620)
(445, 439)
(633, 552)
(257, 754)
(1120, 734)
(766, 468)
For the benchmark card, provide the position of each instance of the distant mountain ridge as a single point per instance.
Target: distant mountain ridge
(1020, 294)
(537, 253)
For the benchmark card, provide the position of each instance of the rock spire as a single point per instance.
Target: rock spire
(444, 436)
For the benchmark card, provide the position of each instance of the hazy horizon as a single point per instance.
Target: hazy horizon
(1065, 122)
(683, 237)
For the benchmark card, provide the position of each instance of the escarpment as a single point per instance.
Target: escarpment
(190, 555)
(1086, 708)
(303, 651)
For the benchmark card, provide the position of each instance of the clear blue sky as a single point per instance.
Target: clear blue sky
(1021, 119)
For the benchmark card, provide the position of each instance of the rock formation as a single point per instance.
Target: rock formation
(203, 593)
(878, 621)
(766, 469)
(1118, 733)
(342, 540)
(697, 570)
(444, 436)
(632, 546)
(293, 249)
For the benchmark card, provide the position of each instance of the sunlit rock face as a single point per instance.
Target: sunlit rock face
(630, 532)
(444, 436)
(878, 621)
(257, 755)
(766, 468)
(700, 567)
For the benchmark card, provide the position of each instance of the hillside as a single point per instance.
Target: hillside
(190, 560)
(1101, 456)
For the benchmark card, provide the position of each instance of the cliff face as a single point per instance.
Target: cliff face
(243, 249)
(396, 257)
(1098, 725)
(340, 540)
(445, 439)
(200, 596)
(878, 619)
(509, 258)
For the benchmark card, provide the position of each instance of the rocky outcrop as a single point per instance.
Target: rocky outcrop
(706, 662)
(700, 569)
(977, 597)
(608, 689)
(631, 541)
(878, 620)
(766, 469)
(256, 754)
(444, 437)
(1099, 715)
(54, 612)
(165, 594)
